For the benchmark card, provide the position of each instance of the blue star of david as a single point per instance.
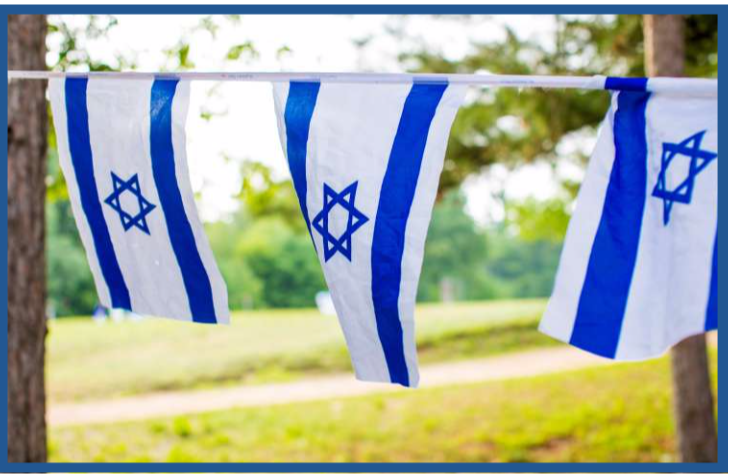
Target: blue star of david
(347, 200)
(698, 160)
(144, 206)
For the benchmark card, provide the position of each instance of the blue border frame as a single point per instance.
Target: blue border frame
(720, 466)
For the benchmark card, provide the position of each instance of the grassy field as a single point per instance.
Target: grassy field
(88, 360)
(614, 413)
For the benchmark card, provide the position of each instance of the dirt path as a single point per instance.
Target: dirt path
(523, 364)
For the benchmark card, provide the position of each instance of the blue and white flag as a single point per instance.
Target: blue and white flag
(638, 272)
(365, 160)
(122, 149)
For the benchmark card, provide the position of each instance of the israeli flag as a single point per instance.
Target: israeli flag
(638, 272)
(122, 149)
(365, 160)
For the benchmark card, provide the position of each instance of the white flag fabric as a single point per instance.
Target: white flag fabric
(638, 271)
(365, 161)
(122, 150)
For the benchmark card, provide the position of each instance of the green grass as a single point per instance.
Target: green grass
(614, 413)
(90, 361)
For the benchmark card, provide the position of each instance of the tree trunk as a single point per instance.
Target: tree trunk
(693, 404)
(27, 135)
(696, 430)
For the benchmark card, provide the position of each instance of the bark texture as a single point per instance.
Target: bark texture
(663, 37)
(27, 136)
(696, 430)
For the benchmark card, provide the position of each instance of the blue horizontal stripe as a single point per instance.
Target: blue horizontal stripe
(631, 84)
(612, 260)
(395, 202)
(77, 118)
(195, 277)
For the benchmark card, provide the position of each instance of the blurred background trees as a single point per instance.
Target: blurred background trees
(263, 248)
(543, 118)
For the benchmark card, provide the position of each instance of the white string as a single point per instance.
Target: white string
(682, 86)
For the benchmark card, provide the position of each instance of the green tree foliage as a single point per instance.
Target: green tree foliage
(466, 262)
(265, 262)
(285, 262)
(455, 254)
(520, 268)
(244, 288)
(514, 127)
(69, 283)
(264, 251)
(701, 46)
(72, 52)
(74, 293)
(539, 219)
(263, 196)
(534, 219)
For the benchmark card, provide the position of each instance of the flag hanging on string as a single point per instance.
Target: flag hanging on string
(638, 272)
(365, 161)
(122, 150)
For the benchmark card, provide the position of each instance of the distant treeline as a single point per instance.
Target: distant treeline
(268, 260)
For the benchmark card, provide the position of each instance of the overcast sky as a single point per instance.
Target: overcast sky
(244, 126)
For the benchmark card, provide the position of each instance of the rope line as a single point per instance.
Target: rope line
(680, 86)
